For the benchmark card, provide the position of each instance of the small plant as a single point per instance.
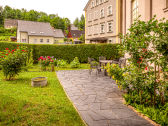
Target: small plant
(12, 61)
(75, 63)
(61, 63)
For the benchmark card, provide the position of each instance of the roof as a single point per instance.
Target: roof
(10, 22)
(87, 5)
(58, 33)
(73, 27)
(35, 28)
(77, 33)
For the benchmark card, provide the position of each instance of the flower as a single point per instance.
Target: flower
(7, 48)
(146, 68)
(6, 54)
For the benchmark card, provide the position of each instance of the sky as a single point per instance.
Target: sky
(64, 8)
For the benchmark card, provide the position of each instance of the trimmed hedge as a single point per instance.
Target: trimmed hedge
(69, 52)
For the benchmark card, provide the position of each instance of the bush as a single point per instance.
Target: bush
(61, 63)
(75, 63)
(69, 52)
(12, 62)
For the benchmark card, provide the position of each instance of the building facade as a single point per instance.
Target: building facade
(105, 19)
(102, 21)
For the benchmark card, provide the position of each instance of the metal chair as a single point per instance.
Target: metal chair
(93, 65)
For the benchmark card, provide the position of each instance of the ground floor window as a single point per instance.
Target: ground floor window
(23, 40)
(48, 40)
(41, 40)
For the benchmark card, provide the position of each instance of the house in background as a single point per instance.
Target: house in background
(74, 33)
(10, 23)
(38, 33)
(102, 21)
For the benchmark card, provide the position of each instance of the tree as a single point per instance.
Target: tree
(1, 16)
(67, 23)
(32, 15)
(57, 23)
(81, 25)
(76, 22)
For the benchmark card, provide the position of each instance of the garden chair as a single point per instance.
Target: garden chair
(93, 65)
(102, 58)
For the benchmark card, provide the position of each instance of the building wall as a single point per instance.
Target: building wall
(58, 40)
(93, 24)
(36, 40)
(22, 37)
(158, 9)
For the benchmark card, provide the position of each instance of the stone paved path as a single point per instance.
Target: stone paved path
(98, 99)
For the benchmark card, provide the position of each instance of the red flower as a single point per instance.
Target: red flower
(7, 48)
(2, 56)
(6, 54)
(146, 68)
(22, 50)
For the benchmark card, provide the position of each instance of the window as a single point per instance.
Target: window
(102, 13)
(109, 26)
(101, 1)
(97, 2)
(48, 40)
(134, 12)
(110, 11)
(41, 40)
(92, 4)
(23, 40)
(35, 40)
(102, 28)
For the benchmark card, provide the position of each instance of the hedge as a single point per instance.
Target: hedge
(69, 52)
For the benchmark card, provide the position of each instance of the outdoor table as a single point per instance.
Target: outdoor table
(105, 62)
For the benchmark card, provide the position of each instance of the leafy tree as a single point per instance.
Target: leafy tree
(57, 23)
(82, 23)
(1, 16)
(67, 23)
(76, 22)
(82, 38)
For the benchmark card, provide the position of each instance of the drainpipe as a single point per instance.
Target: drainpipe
(151, 9)
(125, 17)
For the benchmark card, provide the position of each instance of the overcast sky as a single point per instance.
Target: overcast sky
(64, 8)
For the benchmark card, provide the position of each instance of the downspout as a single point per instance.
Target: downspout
(151, 9)
(125, 17)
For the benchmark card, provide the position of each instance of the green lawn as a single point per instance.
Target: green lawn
(21, 104)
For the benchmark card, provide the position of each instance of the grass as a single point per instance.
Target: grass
(21, 104)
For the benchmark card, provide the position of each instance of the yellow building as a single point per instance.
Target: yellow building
(38, 33)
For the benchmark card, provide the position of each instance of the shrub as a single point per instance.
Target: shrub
(75, 63)
(61, 63)
(68, 52)
(12, 62)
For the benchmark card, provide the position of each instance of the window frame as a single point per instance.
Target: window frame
(41, 40)
(102, 30)
(108, 29)
(134, 11)
(102, 10)
(110, 9)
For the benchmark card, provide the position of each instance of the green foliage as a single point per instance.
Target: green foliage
(10, 13)
(68, 52)
(12, 62)
(82, 38)
(65, 39)
(80, 24)
(75, 63)
(7, 32)
(61, 63)
(5, 38)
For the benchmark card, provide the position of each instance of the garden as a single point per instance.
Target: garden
(145, 78)
(22, 104)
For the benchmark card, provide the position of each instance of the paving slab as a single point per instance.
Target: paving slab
(98, 99)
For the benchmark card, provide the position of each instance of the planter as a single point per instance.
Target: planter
(39, 82)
